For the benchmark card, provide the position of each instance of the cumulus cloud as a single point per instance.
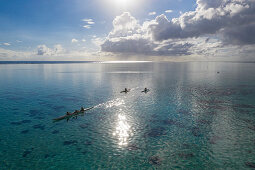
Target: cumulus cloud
(227, 18)
(168, 11)
(213, 27)
(87, 26)
(6, 44)
(44, 50)
(74, 40)
(128, 36)
(152, 13)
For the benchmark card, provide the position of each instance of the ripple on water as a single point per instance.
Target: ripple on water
(21, 122)
(156, 132)
(39, 126)
(155, 160)
(27, 152)
(70, 142)
(24, 131)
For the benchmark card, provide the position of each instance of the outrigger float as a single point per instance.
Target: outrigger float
(73, 115)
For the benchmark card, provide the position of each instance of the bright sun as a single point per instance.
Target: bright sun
(122, 3)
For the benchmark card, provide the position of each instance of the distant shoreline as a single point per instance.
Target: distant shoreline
(110, 62)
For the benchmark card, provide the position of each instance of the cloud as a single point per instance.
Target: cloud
(83, 40)
(11, 54)
(129, 37)
(6, 44)
(89, 23)
(87, 26)
(213, 28)
(44, 50)
(152, 13)
(232, 20)
(74, 40)
(169, 11)
(87, 20)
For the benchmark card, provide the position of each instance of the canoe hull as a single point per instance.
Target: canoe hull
(72, 114)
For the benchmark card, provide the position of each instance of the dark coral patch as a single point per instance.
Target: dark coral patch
(46, 156)
(154, 160)
(172, 122)
(55, 132)
(156, 132)
(39, 117)
(185, 112)
(27, 152)
(16, 123)
(33, 113)
(84, 152)
(21, 122)
(49, 155)
(24, 131)
(214, 139)
(196, 132)
(78, 149)
(250, 164)
(72, 99)
(84, 126)
(203, 121)
(39, 126)
(168, 122)
(244, 106)
(132, 147)
(70, 142)
(58, 108)
(88, 142)
(26, 121)
(14, 98)
(186, 155)
(252, 127)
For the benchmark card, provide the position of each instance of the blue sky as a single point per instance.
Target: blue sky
(27, 24)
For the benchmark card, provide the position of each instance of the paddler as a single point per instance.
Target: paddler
(82, 109)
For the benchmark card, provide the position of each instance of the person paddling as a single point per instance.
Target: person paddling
(145, 90)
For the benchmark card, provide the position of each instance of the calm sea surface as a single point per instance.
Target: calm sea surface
(192, 117)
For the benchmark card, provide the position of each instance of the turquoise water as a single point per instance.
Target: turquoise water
(192, 117)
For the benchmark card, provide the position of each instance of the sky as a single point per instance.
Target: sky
(160, 30)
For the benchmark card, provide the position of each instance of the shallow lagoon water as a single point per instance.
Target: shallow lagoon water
(192, 118)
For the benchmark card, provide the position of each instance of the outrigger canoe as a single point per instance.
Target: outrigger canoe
(68, 116)
(128, 90)
(145, 91)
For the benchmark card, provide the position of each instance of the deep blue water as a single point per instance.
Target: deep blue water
(192, 117)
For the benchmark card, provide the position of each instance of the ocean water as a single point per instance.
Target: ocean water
(197, 115)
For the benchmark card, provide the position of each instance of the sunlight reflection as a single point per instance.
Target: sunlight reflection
(122, 130)
(116, 102)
